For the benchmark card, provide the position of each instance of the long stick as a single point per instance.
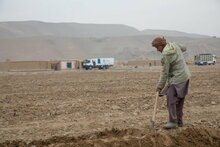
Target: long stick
(155, 109)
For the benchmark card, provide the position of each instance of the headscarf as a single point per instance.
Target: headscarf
(159, 41)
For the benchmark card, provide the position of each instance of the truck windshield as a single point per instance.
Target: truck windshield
(86, 61)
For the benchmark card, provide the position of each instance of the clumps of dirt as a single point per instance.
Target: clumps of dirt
(209, 137)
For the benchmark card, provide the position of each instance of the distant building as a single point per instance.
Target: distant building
(69, 64)
(39, 65)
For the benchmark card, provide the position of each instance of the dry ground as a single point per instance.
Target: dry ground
(104, 108)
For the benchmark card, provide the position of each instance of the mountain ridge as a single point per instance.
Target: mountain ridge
(72, 29)
(52, 41)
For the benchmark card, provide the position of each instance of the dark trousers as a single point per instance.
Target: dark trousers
(175, 100)
(175, 106)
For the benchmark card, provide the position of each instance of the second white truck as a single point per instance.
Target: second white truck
(100, 63)
(205, 59)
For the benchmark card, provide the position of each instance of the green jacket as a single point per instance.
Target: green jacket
(175, 70)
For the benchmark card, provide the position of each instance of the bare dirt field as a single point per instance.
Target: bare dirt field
(104, 108)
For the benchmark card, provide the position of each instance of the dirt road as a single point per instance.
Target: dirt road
(104, 108)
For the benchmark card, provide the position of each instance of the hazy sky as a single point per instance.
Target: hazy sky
(193, 16)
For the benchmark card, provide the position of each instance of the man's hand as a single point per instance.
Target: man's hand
(158, 90)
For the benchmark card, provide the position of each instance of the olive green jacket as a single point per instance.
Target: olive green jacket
(174, 70)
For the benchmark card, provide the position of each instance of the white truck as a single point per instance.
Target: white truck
(100, 63)
(205, 59)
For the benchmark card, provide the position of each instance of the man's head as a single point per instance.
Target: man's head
(159, 43)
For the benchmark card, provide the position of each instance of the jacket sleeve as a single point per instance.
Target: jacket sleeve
(182, 47)
(164, 73)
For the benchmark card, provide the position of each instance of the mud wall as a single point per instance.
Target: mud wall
(144, 63)
(25, 65)
(34, 65)
(218, 60)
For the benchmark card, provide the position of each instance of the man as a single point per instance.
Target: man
(176, 72)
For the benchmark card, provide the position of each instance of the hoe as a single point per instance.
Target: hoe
(154, 112)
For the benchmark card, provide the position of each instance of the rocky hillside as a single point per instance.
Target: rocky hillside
(36, 28)
(33, 40)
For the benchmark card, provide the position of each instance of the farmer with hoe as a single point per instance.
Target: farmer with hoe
(177, 74)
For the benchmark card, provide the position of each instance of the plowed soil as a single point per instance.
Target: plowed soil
(105, 108)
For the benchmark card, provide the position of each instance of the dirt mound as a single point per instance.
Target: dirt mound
(132, 137)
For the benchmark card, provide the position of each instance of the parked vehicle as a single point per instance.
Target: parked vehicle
(100, 63)
(205, 59)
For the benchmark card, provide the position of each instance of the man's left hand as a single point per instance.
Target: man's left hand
(158, 90)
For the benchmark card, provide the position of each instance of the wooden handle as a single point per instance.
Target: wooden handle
(155, 107)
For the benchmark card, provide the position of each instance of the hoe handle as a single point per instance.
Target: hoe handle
(155, 107)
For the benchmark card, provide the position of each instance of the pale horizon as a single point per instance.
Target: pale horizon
(196, 17)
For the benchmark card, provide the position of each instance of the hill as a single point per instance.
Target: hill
(33, 40)
(172, 33)
(122, 48)
(36, 28)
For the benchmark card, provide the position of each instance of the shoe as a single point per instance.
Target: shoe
(170, 125)
(180, 124)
